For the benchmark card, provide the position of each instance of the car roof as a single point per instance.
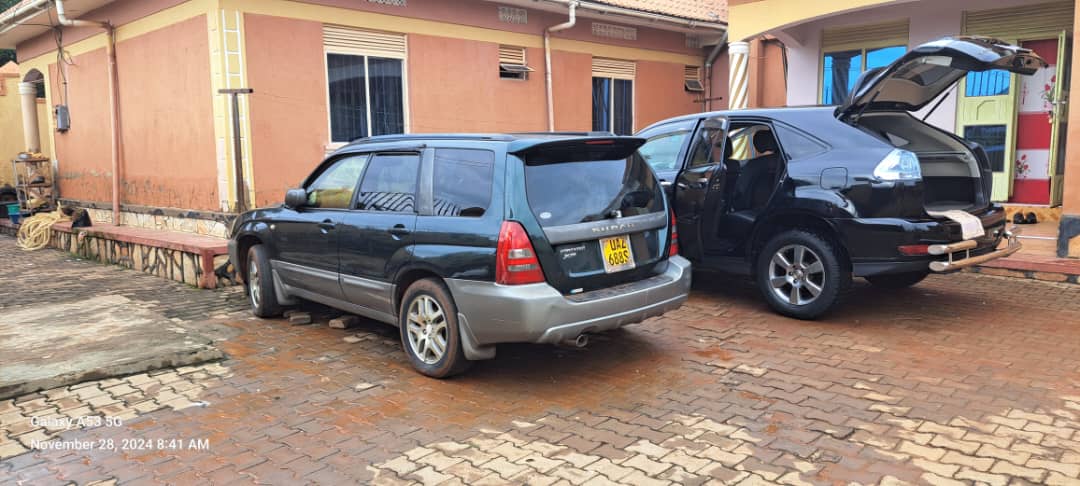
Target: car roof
(517, 141)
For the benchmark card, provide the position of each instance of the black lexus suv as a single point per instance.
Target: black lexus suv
(467, 241)
(803, 199)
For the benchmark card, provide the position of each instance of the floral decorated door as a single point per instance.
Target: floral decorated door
(1038, 131)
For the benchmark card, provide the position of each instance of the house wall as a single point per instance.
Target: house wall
(165, 111)
(11, 142)
(174, 55)
(451, 72)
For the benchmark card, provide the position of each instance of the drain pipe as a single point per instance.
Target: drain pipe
(709, 69)
(547, 60)
(114, 105)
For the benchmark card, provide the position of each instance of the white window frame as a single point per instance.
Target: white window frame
(611, 103)
(331, 145)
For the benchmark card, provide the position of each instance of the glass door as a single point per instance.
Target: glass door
(986, 114)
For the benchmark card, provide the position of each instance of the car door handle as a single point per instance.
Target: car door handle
(665, 183)
(327, 225)
(398, 230)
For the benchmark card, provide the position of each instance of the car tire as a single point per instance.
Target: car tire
(802, 274)
(260, 284)
(897, 280)
(429, 328)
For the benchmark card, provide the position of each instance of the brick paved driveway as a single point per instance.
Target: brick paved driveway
(964, 379)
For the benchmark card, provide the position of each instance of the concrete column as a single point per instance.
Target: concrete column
(31, 137)
(1069, 230)
(738, 75)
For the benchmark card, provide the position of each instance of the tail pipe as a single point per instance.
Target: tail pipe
(580, 341)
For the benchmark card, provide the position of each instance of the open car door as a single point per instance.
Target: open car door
(699, 188)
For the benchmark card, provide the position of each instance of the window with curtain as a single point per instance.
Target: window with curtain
(366, 96)
(613, 105)
(840, 69)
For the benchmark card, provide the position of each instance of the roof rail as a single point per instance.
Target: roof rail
(431, 136)
(568, 134)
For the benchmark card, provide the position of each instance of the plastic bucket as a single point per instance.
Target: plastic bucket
(15, 217)
(11, 209)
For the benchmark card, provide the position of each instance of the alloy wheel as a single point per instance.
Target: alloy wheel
(796, 275)
(426, 329)
(253, 283)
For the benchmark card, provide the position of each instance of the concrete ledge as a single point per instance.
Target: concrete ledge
(196, 260)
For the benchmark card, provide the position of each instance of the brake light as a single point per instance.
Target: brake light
(515, 259)
(914, 250)
(674, 237)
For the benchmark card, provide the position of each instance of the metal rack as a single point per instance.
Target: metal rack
(34, 180)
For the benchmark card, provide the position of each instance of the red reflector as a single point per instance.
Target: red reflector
(914, 250)
(515, 259)
(599, 142)
(674, 237)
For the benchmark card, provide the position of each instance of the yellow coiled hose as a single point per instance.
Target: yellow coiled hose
(35, 231)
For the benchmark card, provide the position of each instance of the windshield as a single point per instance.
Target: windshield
(579, 192)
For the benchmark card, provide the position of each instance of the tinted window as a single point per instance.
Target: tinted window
(662, 151)
(390, 183)
(839, 73)
(992, 139)
(797, 145)
(462, 182)
(334, 187)
(577, 192)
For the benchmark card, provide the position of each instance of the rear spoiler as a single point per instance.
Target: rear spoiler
(575, 149)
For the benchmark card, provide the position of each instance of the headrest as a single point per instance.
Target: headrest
(764, 142)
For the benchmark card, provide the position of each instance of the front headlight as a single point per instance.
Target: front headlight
(899, 165)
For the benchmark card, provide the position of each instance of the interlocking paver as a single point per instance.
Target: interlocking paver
(930, 385)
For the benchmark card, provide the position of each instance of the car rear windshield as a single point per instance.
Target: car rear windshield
(562, 193)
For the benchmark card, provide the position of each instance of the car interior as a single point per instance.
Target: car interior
(951, 177)
(753, 163)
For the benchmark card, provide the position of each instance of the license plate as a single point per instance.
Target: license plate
(617, 254)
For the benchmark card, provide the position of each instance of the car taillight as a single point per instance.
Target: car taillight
(515, 260)
(674, 237)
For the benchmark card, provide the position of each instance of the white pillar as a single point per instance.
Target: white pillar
(738, 75)
(28, 95)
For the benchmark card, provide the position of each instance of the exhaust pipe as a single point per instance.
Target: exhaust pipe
(580, 341)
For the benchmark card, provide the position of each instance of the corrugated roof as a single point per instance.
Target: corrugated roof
(707, 10)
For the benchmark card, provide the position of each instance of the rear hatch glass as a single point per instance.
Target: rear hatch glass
(602, 211)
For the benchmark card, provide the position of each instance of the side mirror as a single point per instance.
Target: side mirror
(295, 198)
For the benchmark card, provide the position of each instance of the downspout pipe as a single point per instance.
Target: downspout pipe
(114, 105)
(720, 46)
(547, 60)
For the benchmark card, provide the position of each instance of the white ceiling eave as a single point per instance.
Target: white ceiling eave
(622, 15)
(31, 18)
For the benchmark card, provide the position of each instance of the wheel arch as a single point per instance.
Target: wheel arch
(406, 277)
(243, 246)
(776, 223)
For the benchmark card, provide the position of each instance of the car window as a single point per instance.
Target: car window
(708, 147)
(563, 193)
(334, 187)
(462, 182)
(797, 145)
(661, 152)
(742, 142)
(390, 183)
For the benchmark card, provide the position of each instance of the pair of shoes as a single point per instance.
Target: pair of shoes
(1019, 218)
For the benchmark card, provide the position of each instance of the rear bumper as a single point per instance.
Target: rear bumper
(537, 313)
(873, 243)
(963, 249)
